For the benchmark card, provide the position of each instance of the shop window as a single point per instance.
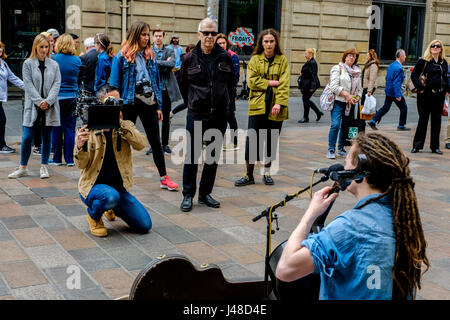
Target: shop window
(252, 15)
(402, 25)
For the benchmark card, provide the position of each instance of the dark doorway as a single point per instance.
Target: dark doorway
(22, 20)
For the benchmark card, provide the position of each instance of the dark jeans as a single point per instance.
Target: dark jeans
(337, 126)
(307, 104)
(193, 152)
(231, 119)
(166, 108)
(27, 138)
(149, 119)
(387, 105)
(2, 126)
(65, 134)
(260, 145)
(102, 198)
(429, 104)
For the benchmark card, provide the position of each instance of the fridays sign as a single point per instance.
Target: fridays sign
(241, 37)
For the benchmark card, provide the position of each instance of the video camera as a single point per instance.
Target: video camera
(97, 115)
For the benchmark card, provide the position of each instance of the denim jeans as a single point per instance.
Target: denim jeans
(27, 140)
(102, 198)
(337, 115)
(64, 135)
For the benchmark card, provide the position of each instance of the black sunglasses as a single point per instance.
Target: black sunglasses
(209, 33)
(437, 45)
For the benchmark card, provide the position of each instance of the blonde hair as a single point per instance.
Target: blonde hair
(47, 34)
(3, 56)
(312, 51)
(40, 38)
(65, 44)
(427, 55)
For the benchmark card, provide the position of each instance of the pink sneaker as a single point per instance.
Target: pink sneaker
(167, 183)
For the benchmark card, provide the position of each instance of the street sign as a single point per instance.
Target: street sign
(241, 37)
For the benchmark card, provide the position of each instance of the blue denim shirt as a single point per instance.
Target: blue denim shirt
(355, 253)
(178, 52)
(102, 70)
(123, 77)
(5, 76)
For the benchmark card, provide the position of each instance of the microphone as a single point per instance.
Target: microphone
(327, 171)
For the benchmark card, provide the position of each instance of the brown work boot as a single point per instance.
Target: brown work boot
(110, 215)
(97, 227)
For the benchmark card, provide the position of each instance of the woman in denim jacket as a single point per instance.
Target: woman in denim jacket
(375, 250)
(133, 66)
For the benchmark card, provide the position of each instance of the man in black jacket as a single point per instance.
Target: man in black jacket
(88, 65)
(207, 82)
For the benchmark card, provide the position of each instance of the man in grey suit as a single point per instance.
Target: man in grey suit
(165, 57)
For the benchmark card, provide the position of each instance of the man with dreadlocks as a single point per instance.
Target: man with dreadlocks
(375, 250)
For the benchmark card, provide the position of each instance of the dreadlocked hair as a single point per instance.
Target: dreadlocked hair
(390, 173)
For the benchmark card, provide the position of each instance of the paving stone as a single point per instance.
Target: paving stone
(11, 210)
(8, 164)
(175, 234)
(241, 253)
(28, 199)
(187, 221)
(60, 200)
(36, 183)
(41, 292)
(234, 272)
(113, 240)
(217, 219)
(52, 222)
(163, 208)
(202, 252)
(131, 258)
(4, 234)
(151, 240)
(89, 294)
(71, 239)
(213, 236)
(19, 222)
(245, 234)
(116, 282)
(60, 275)
(41, 209)
(48, 192)
(70, 210)
(32, 237)
(21, 274)
(50, 256)
(93, 259)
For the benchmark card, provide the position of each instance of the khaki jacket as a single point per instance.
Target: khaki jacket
(258, 82)
(91, 162)
(370, 76)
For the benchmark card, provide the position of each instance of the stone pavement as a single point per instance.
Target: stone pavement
(43, 227)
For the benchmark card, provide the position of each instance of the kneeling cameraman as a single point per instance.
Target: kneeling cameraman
(107, 173)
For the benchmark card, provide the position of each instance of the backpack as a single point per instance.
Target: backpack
(327, 96)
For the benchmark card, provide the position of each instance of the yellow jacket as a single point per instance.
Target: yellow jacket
(90, 162)
(258, 82)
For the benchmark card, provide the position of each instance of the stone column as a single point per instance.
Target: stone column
(212, 7)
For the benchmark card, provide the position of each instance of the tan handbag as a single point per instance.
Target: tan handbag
(422, 78)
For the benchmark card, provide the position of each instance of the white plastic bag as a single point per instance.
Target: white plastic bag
(370, 105)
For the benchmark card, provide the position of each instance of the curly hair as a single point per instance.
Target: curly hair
(390, 172)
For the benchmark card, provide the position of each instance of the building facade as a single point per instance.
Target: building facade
(330, 26)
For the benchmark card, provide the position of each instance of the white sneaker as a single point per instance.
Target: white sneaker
(44, 172)
(21, 172)
(331, 154)
(342, 152)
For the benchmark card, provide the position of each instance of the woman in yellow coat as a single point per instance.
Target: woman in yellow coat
(268, 79)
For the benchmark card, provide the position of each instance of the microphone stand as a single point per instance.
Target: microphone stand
(268, 213)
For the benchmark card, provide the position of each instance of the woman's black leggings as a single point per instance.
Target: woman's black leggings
(149, 119)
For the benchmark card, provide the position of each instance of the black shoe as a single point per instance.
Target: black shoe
(186, 204)
(267, 179)
(209, 201)
(436, 151)
(7, 149)
(414, 150)
(320, 116)
(403, 128)
(150, 151)
(244, 181)
(167, 150)
(37, 151)
(372, 125)
(303, 120)
(447, 145)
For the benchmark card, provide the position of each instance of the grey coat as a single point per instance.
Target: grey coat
(165, 72)
(32, 79)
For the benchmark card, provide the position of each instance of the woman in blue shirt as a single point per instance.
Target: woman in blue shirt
(375, 250)
(104, 60)
(69, 65)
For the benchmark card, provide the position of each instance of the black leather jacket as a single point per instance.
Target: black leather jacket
(207, 90)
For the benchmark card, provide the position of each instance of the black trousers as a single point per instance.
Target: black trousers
(149, 119)
(259, 138)
(307, 104)
(231, 119)
(166, 108)
(193, 152)
(429, 104)
(2, 126)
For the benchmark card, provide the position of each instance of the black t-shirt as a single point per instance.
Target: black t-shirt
(41, 113)
(110, 174)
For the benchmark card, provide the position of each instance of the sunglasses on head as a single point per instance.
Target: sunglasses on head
(209, 33)
(437, 45)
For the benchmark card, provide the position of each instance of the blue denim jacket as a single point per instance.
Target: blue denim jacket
(355, 253)
(102, 71)
(123, 77)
